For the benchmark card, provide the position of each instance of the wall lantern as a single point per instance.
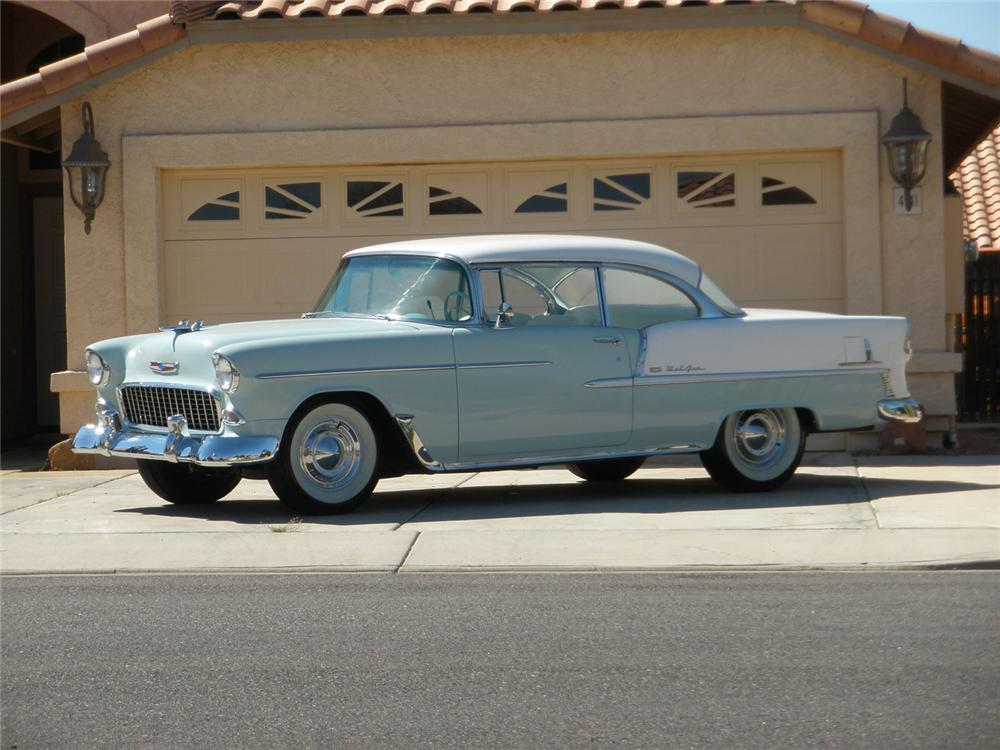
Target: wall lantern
(86, 165)
(906, 143)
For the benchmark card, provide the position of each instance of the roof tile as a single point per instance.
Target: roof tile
(115, 51)
(65, 73)
(844, 16)
(158, 32)
(930, 47)
(978, 180)
(882, 30)
(848, 17)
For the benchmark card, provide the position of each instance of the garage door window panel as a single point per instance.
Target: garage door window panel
(706, 189)
(638, 300)
(295, 201)
(367, 199)
(621, 191)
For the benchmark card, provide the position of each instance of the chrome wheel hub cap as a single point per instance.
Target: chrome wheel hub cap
(759, 436)
(331, 454)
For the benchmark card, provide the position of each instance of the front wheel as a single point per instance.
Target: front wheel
(756, 450)
(327, 461)
(183, 484)
(606, 470)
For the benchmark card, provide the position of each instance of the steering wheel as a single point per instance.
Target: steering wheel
(460, 296)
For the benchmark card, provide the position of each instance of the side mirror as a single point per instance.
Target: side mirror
(505, 314)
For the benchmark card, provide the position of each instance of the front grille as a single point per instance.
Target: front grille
(151, 406)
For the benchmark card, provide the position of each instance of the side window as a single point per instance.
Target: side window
(549, 295)
(637, 300)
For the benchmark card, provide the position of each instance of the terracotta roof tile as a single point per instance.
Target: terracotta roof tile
(978, 180)
(844, 16)
(94, 60)
(64, 73)
(882, 30)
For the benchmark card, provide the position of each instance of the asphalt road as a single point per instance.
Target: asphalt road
(853, 660)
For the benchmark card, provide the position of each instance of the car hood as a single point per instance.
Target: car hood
(185, 356)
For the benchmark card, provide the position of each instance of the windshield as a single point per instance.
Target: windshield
(399, 286)
(718, 296)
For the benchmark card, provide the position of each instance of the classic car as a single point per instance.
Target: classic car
(473, 353)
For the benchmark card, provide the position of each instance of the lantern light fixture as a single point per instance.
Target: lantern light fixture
(86, 167)
(906, 145)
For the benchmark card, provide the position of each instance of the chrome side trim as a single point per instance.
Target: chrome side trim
(721, 377)
(493, 365)
(640, 360)
(382, 370)
(900, 410)
(405, 422)
(357, 371)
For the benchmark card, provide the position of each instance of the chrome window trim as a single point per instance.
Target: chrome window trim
(475, 292)
(218, 396)
(639, 381)
(705, 307)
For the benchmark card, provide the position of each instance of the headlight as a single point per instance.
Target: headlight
(226, 375)
(97, 369)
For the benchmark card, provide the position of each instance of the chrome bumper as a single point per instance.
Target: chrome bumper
(107, 439)
(900, 410)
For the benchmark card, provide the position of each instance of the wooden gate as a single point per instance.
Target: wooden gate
(979, 382)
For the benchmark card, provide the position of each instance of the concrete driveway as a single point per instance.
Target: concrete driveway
(838, 511)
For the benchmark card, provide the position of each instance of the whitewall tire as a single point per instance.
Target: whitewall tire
(327, 461)
(756, 450)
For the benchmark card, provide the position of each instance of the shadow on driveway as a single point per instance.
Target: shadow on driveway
(633, 496)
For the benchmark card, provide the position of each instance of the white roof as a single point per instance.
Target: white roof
(511, 248)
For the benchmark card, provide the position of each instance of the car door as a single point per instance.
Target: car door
(522, 387)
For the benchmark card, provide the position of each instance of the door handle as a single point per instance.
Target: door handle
(613, 340)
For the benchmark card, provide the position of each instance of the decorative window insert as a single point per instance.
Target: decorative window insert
(774, 192)
(224, 208)
(551, 200)
(707, 189)
(375, 198)
(292, 200)
(443, 202)
(621, 192)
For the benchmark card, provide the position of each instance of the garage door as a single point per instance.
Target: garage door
(251, 244)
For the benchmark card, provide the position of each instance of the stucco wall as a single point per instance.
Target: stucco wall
(282, 89)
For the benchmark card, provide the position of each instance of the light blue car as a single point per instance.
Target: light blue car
(475, 353)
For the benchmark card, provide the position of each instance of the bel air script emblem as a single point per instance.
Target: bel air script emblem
(677, 368)
(165, 368)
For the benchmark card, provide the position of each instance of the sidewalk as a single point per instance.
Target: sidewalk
(837, 512)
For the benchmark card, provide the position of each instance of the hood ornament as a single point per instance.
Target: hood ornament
(165, 368)
(185, 326)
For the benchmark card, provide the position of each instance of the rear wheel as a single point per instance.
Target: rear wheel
(756, 450)
(184, 484)
(327, 461)
(608, 470)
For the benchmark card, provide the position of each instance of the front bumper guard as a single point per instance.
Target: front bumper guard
(177, 445)
(900, 410)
